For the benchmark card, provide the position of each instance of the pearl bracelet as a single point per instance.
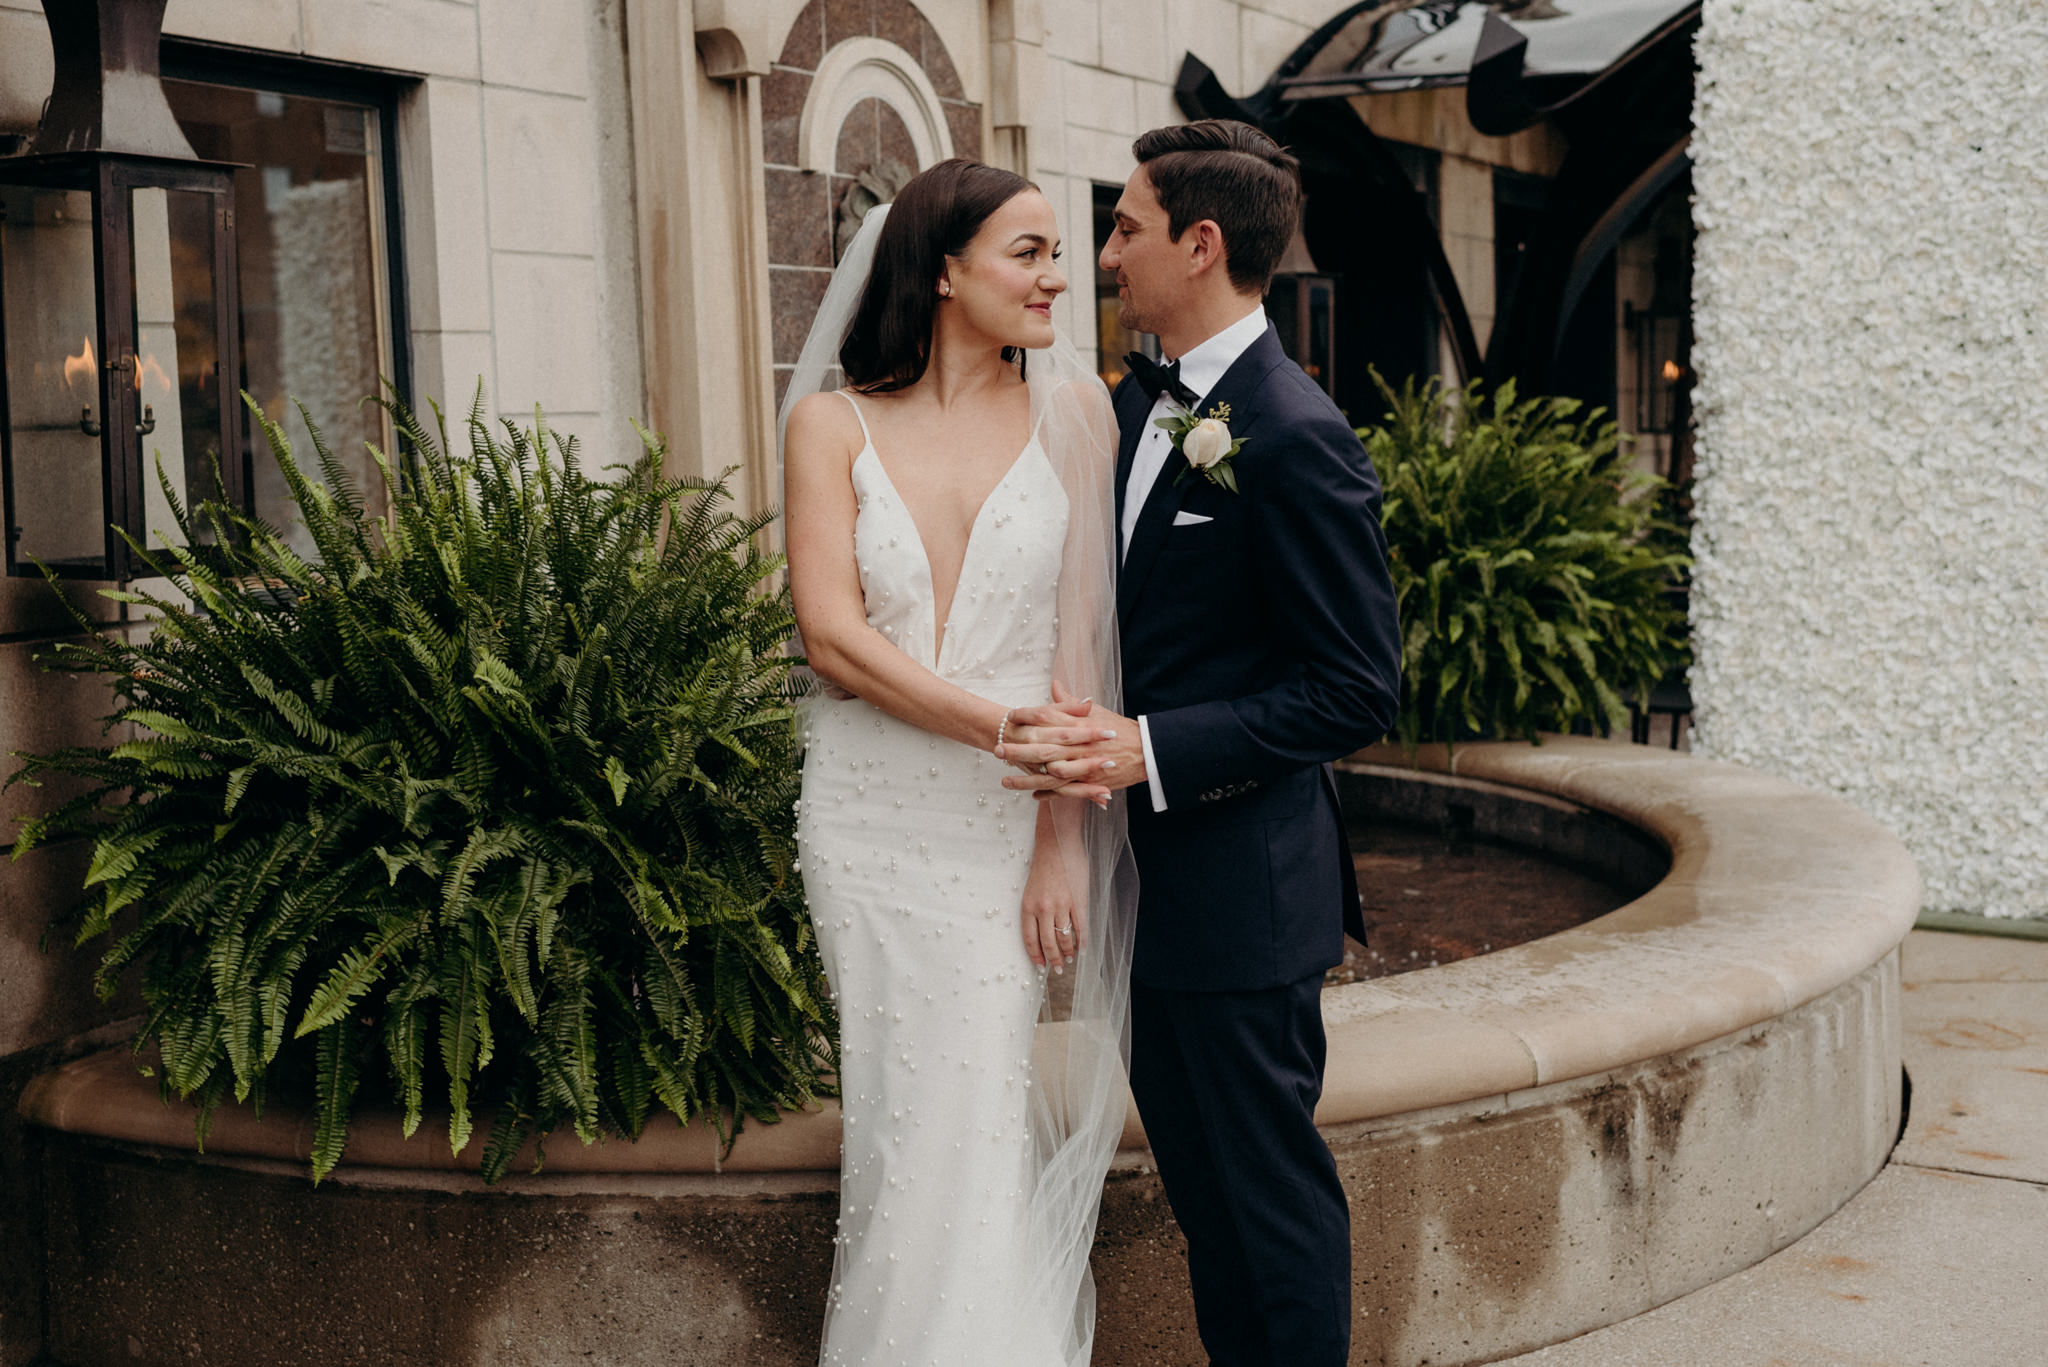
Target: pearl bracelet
(1002, 729)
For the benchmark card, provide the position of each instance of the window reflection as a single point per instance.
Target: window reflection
(309, 218)
(177, 352)
(57, 499)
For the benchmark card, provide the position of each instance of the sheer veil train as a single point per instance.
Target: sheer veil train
(1081, 1045)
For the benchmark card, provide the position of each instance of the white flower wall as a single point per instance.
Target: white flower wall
(1871, 292)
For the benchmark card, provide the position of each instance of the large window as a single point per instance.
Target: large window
(315, 231)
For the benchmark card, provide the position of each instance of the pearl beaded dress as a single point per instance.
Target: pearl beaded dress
(914, 859)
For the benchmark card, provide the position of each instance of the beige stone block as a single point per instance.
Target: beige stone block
(1807, 939)
(447, 367)
(546, 332)
(1822, 1083)
(441, 157)
(28, 69)
(1156, 107)
(1048, 121)
(1135, 39)
(540, 172)
(1978, 1056)
(1077, 230)
(1311, 13)
(1208, 28)
(1100, 156)
(1265, 41)
(1101, 100)
(270, 24)
(1072, 32)
(1931, 956)
(1016, 83)
(1388, 1057)
(536, 44)
(1583, 1003)
(1021, 21)
(434, 37)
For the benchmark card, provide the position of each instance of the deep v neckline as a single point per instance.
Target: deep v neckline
(941, 620)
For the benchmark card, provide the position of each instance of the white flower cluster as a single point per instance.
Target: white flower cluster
(1871, 296)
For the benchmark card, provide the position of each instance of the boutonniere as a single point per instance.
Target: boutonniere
(1206, 443)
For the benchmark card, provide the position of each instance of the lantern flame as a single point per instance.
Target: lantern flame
(1673, 371)
(81, 366)
(147, 371)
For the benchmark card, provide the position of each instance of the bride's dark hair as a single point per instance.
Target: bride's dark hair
(935, 216)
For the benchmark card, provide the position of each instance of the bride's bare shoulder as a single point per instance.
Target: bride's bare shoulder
(822, 423)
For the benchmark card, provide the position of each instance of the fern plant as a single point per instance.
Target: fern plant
(491, 802)
(1534, 570)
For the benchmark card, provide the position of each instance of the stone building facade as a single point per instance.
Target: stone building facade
(626, 209)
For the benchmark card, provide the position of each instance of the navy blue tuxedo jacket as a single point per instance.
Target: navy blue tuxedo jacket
(1259, 645)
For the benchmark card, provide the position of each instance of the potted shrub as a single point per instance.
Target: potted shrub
(1535, 570)
(489, 805)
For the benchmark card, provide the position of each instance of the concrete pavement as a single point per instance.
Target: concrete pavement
(1942, 1261)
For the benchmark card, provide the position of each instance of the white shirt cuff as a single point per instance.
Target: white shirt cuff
(1151, 767)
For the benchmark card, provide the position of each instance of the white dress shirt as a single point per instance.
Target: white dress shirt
(1200, 369)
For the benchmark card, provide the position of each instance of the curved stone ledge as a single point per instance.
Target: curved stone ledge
(1536, 1142)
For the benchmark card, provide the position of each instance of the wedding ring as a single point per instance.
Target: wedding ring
(1065, 930)
(1042, 769)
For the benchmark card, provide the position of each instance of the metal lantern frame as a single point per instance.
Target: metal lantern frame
(111, 179)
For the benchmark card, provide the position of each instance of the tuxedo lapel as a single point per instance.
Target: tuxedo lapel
(1238, 388)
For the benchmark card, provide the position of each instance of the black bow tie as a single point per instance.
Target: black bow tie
(1157, 379)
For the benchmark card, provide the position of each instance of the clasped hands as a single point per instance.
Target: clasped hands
(1071, 747)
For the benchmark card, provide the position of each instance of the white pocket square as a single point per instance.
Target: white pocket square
(1184, 518)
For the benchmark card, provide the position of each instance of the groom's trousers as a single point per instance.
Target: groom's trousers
(1227, 1084)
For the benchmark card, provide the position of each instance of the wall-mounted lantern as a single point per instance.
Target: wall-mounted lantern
(118, 316)
(1302, 303)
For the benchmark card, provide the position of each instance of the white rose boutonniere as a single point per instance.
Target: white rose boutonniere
(1206, 444)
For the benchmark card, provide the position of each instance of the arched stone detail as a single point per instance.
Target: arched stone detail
(817, 147)
(870, 69)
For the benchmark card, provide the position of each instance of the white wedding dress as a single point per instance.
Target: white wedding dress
(980, 1114)
(914, 859)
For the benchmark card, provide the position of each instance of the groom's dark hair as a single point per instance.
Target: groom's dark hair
(1233, 174)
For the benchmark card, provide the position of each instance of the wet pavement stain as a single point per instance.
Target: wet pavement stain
(1973, 1034)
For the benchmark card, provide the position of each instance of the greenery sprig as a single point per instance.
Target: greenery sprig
(1535, 570)
(490, 801)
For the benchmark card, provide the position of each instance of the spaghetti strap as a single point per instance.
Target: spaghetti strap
(858, 417)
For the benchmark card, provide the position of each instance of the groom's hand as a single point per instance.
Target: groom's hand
(1084, 750)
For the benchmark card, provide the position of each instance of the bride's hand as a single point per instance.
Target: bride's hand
(1038, 733)
(1054, 923)
(1045, 724)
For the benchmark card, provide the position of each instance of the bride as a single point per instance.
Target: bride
(951, 557)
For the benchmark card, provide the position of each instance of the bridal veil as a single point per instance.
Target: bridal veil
(1081, 1045)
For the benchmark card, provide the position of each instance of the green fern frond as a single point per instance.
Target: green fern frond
(497, 781)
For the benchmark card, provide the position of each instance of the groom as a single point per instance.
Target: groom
(1259, 643)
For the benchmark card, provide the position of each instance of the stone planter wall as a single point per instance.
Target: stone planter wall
(1536, 1142)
